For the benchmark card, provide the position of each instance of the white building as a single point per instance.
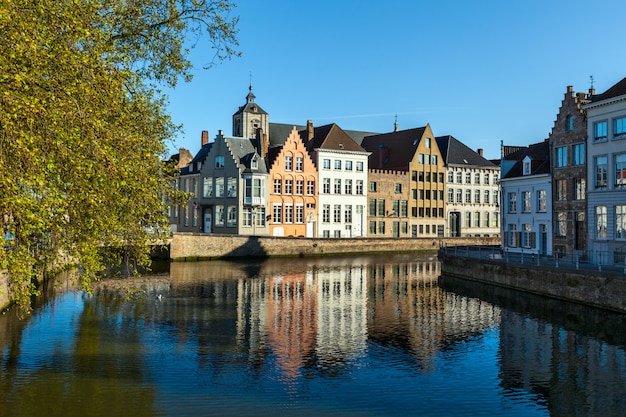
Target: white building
(526, 194)
(342, 175)
(472, 188)
(606, 175)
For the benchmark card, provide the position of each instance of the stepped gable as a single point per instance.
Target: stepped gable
(455, 152)
(395, 150)
(540, 160)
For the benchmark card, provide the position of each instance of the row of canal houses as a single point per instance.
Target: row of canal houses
(565, 195)
(271, 179)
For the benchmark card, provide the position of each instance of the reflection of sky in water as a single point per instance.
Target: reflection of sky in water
(362, 341)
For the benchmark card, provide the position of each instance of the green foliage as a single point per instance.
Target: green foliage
(84, 128)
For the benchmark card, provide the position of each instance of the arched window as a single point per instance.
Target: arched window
(569, 123)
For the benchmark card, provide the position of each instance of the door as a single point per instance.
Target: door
(544, 239)
(208, 219)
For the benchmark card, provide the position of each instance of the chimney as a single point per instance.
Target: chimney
(480, 151)
(592, 92)
(309, 130)
(205, 137)
(261, 140)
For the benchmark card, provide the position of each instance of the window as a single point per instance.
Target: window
(428, 194)
(477, 196)
(373, 186)
(620, 222)
(486, 219)
(542, 201)
(326, 164)
(512, 238)
(289, 213)
(527, 166)
(254, 164)
(428, 143)
(288, 163)
(372, 207)
(299, 213)
(620, 170)
(599, 131)
(450, 195)
(299, 163)
(259, 218)
(468, 196)
(278, 185)
(619, 127)
(347, 214)
(578, 154)
(433, 159)
(413, 175)
(299, 187)
(468, 178)
(310, 187)
(476, 219)
(561, 224)
(277, 215)
(337, 213)
(398, 188)
(219, 215)
(219, 187)
(404, 207)
(372, 228)
(348, 186)
(421, 194)
(359, 166)
(337, 164)
(254, 190)
(459, 195)
(601, 221)
(526, 201)
(348, 165)
(427, 179)
(381, 207)
(450, 176)
(441, 177)
(486, 179)
(527, 241)
(337, 187)
(561, 156)
(468, 219)
(232, 216)
(581, 188)
(420, 158)
(288, 186)
(219, 162)
(207, 187)
(326, 213)
(381, 228)
(561, 190)
(477, 178)
(232, 187)
(569, 123)
(359, 187)
(486, 197)
(396, 208)
(326, 185)
(600, 169)
(247, 217)
(459, 177)
(512, 202)
(420, 176)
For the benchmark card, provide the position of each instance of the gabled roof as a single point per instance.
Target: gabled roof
(539, 153)
(331, 137)
(454, 152)
(393, 150)
(616, 90)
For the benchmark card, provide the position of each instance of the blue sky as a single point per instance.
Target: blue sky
(482, 71)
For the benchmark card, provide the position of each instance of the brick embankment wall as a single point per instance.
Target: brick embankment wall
(195, 246)
(603, 290)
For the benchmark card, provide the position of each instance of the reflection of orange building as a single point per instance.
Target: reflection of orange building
(292, 321)
(293, 189)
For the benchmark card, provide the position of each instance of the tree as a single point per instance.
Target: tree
(84, 127)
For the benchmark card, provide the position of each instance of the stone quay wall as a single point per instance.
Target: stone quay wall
(599, 289)
(197, 246)
(4, 293)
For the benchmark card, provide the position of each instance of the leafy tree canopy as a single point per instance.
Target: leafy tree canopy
(84, 127)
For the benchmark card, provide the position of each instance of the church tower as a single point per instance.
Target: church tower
(249, 118)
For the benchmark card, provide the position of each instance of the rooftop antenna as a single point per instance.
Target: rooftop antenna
(591, 81)
(395, 124)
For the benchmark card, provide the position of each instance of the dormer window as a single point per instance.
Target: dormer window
(219, 162)
(254, 164)
(527, 165)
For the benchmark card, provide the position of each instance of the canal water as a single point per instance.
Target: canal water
(349, 336)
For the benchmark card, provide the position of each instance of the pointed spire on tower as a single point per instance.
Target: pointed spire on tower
(250, 97)
(395, 124)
